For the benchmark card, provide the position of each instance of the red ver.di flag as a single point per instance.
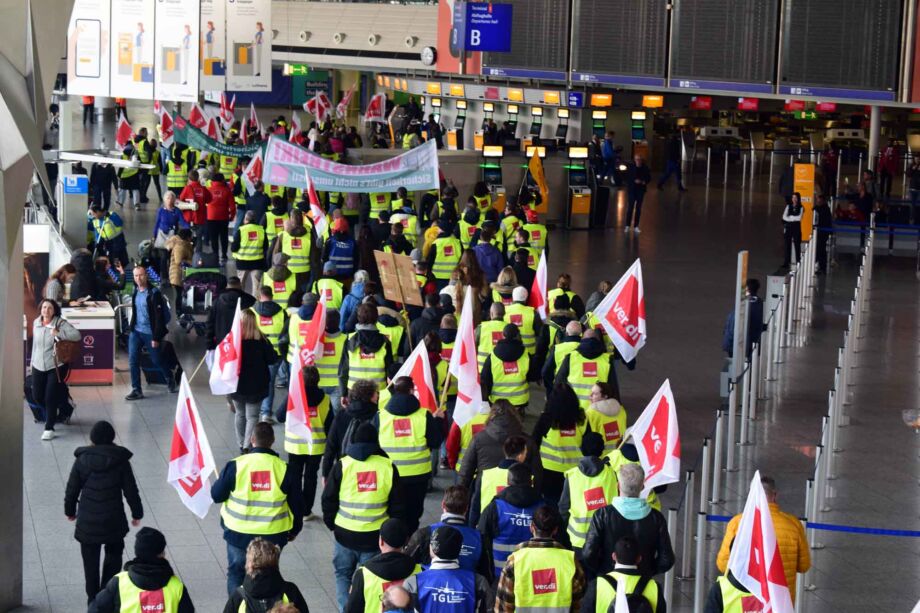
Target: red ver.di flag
(755, 559)
(253, 172)
(191, 462)
(376, 108)
(123, 132)
(657, 440)
(225, 369)
(537, 296)
(464, 365)
(418, 368)
(622, 313)
(297, 424)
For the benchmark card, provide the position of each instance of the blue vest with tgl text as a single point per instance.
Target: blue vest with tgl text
(513, 529)
(447, 591)
(471, 550)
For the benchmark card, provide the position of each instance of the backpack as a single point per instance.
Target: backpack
(635, 600)
(259, 605)
(349, 435)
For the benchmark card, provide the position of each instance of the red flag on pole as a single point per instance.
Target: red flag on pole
(197, 117)
(622, 313)
(213, 130)
(167, 130)
(316, 211)
(657, 440)
(418, 368)
(755, 559)
(123, 132)
(376, 108)
(226, 110)
(254, 118)
(191, 461)
(464, 365)
(296, 129)
(342, 107)
(253, 172)
(297, 424)
(225, 369)
(244, 130)
(537, 297)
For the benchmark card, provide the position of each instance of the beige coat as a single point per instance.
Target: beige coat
(179, 251)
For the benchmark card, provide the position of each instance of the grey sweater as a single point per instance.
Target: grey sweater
(43, 341)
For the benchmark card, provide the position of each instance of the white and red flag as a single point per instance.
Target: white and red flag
(418, 368)
(297, 424)
(197, 117)
(622, 313)
(319, 106)
(254, 118)
(123, 132)
(157, 108)
(320, 221)
(225, 369)
(213, 130)
(376, 108)
(253, 172)
(296, 129)
(657, 440)
(755, 559)
(167, 129)
(244, 130)
(191, 462)
(342, 107)
(537, 297)
(226, 110)
(464, 366)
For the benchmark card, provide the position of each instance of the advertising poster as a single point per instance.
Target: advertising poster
(132, 48)
(213, 45)
(249, 45)
(176, 44)
(804, 183)
(88, 48)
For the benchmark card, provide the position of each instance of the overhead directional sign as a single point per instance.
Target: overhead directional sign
(483, 26)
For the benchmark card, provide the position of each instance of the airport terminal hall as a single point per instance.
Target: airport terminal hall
(460, 306)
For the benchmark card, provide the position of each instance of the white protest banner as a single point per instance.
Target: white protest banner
(88, 48)
(176, 44)
(249, 45)
(285, 162)
(213, 45)
(131, 49)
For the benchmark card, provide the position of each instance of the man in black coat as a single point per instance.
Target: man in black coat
(100, 476)
(148, 330)
(220, 319)
(638, 177)
(429, 320)
(628, 515)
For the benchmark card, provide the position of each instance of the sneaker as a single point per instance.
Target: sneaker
(626, 230)
(47, 435)
(137, 207)
(267, 419)
(310, 517)
(135, 395)
(443, 465)
(637, 230)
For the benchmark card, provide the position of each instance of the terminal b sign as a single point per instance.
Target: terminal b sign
(483, 26)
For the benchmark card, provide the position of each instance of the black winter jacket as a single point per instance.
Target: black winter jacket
(485, 450)
(148, 576)
(267, 585)
(429, 321)
(356, 409)
(257, 356)
(507, 351)
(156, 307)
(391, 566)
(370, 341)
(100, 476)
(608, 526)
(221, 316)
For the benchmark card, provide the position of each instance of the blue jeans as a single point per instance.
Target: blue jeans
(335, 397)
(236, 567)
(135, 341)
(284, 372)
(266, 409)
(345, 561)
(672, 167)
(240, 214)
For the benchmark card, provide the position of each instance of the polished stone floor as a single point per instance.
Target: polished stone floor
(688, 251)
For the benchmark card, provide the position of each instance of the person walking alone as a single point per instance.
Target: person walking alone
(638, 177)
(48, 374)
(792, 228)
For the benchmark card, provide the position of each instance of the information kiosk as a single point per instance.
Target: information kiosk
(562, 130)
(492, 174)
(579, 204)
(488, 111)
(599, 123)
(455, 134)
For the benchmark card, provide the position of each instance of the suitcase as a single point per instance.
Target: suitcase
(170, 364)
(38, 410)
(203, 259)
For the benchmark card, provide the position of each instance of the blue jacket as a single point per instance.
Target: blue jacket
(351, 302)
(755, 327)
(168, 221)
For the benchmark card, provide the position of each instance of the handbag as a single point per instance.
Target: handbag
(65, 352)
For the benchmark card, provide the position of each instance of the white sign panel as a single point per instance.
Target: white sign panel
(88, 48)
(213, 45)
(249, 45)
(177, 36)
(132, 49)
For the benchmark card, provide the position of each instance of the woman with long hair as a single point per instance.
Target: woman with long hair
(504, 286)
(606, 415)
(49, 375)
(559, 431)
(257, 355)
(54, 287)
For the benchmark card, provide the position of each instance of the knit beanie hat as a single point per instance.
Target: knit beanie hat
(149, 544)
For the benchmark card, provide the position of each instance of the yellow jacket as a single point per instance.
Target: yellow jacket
(429, 237)
(790, 537)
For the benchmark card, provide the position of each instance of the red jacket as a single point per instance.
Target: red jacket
(222, 207)
(200, 194)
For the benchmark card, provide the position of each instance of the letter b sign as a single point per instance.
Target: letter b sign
(475, 38)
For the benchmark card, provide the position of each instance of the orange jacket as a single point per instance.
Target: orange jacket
(790, 537)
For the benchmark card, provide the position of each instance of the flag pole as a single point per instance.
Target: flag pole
(442, 401)
(197, 368)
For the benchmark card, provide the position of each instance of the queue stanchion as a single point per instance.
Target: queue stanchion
(705, 476)
(715, 498)
(725, 176)
(669, 576)
(839, 166)
(701, 583)
(767, 360)
(743, 170)
(708, 162)
(745, 405)
(790, 309)
(859, 168)
(686, 570)
(821, 481)
(770, 180)
(832, 437)
(730, 434)
(755, 379)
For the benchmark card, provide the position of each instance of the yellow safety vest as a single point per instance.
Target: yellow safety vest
(733, 599)
(490, 332)
(560, 450)
(617, 459)
(592, 322)
(537, 233)
(587, 495)
(491, 483)
(560, 350)
(252, 240)
(375, 586)
(106, 228)
(611, 428)
(135, 600)
(407, 141)
(409, 224)
(509, 226)
(447, 255)
(297, 334)
(505, 299)
(328, 363)
(552, 294)
(143, 154)
(584, 373)
(281, 290)
(379, 202)
(297, 248)
(176, 175)
(257, 505)
(274, 224)
(467, 230)
(316, 445)
(155, 161)
(271, 327)
(468, 430)
(240, 198)
(403, 439)
(226, 165)
(367, 366)
(543, 579)
(330, 288)
(275, 190)
(522, 316)
(394, 334)
(533, 256)
(509, 380)
(483, 203)
(607, 594)
(363, 493)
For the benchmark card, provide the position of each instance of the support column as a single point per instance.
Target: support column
(875, 129)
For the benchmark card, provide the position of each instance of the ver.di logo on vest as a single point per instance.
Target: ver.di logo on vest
(260, 481)
(544, 581)
(367, 481)
(402, 427)
(594, 498)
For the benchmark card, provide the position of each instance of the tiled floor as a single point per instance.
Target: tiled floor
(688, 248)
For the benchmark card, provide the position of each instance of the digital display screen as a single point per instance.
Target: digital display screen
(540, 151)
(540, 41)
(563, 113)
(461, 105)
(512, 109)
(488, 107)
(640, 30)
(536, 111)
(598, 114)
(492, 151)
(436, 102)
(578, 153)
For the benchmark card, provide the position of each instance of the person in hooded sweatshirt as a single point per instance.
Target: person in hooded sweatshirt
(101, 475)
(606, 415)
(490, 257)
(263, 586)
(354, 296)
(559, 430)
(220, 318)
(389, 566)
(553, 329)
(367, 353)
(586, 365)
(283, 282)
(407, 434)
(588, 487)
(364, 476)
(429, 320)
(360, 405)
(556, 353)
(272, 322)
(506, 371)
(469, 224)
(148, 573)
(397, 242)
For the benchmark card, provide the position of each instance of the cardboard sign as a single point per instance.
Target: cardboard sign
(397, 276)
